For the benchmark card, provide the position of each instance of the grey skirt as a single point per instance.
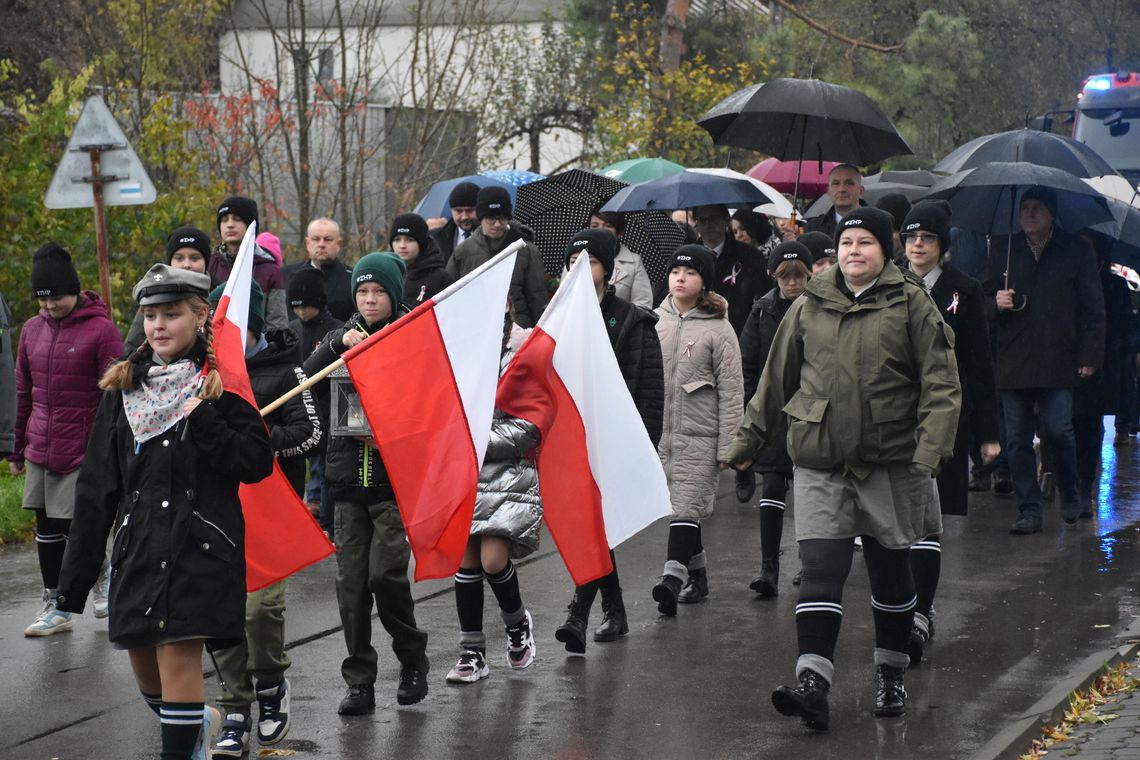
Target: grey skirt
(894, 506)
(49, 490)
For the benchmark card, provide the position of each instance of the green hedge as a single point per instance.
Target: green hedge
(17, 525)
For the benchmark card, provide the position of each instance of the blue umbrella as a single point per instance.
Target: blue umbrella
(512, 178)
(434, 202)
(686, 189)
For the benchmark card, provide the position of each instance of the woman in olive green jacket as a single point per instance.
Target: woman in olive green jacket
(863, 368)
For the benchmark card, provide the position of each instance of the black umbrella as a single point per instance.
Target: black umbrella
(987, 199)
(805, 120)
(559, 206)
(1042, 148)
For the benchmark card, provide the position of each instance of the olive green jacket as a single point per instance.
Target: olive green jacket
(863, 383)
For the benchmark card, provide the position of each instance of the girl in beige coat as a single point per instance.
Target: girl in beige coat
(704, 399)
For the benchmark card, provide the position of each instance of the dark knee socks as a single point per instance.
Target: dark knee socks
(469, 606)
(819, 612)
(926, 567)
(684, 541)
(505, 586)
(893, 601)
(608, 584)
(772, 496)
(181, 724)
(51, 542)
(153, 701)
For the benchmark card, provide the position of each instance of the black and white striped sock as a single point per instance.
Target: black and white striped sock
(926, 567)
(817, 627)
(181, 724)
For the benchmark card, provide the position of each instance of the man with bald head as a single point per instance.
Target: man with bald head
(322, 242)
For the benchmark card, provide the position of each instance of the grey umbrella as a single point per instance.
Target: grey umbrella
(1041, 148)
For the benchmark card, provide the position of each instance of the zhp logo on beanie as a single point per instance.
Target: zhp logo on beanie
(364, 277)
(913, 226)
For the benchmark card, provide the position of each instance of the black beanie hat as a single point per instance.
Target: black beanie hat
(188, 237)
(930, 216)
(244, 208)
(697, 257)
(790, 250)
(412, 225)
(53, 274)
(463, 195)
(599, 243)
(493, 200)
(307, 288)
(1044, 194)
(820, 244)
(874, 220)
(897, 205)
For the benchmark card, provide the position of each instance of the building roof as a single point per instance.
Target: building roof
(261, 14)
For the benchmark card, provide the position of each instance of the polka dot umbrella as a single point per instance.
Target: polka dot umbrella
(557, 207)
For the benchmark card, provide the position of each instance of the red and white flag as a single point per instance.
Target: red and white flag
(281, 536)
(427, 386)
(599, 474)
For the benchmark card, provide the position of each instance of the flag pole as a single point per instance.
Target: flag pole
(442, 296)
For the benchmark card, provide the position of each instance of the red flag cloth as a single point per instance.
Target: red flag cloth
(281, 536)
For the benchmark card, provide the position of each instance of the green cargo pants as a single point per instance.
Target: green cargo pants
(261, 656)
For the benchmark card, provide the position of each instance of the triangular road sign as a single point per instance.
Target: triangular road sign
(126, 183)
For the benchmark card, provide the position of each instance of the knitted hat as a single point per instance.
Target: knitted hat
(463, 195)
(307, 288)
(820, 244)
(412, 225)
(163, 284)
(244, 208)
(788, 251)
(1044, 194)
(895, 204)
(697, 257)
(874, 220)
(256, 323)
(187, 237)
(930, 216)
(271, 243)
(387, 269)
(493, 200)
(599, 243)
(53, 274)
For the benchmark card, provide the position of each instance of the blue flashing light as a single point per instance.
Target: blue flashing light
(1099, 83)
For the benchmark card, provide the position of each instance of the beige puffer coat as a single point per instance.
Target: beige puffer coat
(704, 402)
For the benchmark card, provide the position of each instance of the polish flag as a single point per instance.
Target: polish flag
(281, 536)
(427, 386)
(599, 474)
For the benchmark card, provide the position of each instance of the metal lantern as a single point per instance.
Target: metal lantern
(347, 417)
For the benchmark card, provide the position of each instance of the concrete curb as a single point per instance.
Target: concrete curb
(1014, 740)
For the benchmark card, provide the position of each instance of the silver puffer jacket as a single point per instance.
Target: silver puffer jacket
(507, 502)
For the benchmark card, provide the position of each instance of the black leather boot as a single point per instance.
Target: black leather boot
(767, 583)
(890, 695)
(665, 594)
(808, 700)
(572, 633)
(614, 623)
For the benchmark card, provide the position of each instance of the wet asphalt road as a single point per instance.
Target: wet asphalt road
(1014, 614)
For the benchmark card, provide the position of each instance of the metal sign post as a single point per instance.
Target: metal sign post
(117, 177)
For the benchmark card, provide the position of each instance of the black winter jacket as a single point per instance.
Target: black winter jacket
(295, 429)
(353, 469)
(741, 277)
(444, 238)
(755, 342)
(633, 335)
(1100, 394)
(1061, 327)
(426, 276)
(178, 556)
(310, 333)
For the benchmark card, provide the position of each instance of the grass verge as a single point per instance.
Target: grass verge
(17, 525)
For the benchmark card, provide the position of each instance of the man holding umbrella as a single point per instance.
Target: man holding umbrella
(1050, 333)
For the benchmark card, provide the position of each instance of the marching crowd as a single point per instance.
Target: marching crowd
(859, 366)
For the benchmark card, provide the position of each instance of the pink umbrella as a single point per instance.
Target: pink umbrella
(782, 175)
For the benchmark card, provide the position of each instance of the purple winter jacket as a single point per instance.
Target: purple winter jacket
(58, 368)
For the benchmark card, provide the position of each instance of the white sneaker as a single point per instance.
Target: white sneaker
(234, 738)
(858, 542)
(470, 668)
(520, 643)
(211, 725)
(101, 594)
(50, 620)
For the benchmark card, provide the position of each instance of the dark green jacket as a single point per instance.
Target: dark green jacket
(863, 383)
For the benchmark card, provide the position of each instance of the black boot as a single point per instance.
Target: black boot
(697, 588)
(745, 486)
(890, 695)
(1003, 486)
(766, 585)
(665, 594)
(572, 633)
(614, 623)
(808, 700)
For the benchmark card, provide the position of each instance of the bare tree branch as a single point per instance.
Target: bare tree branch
(819, 27)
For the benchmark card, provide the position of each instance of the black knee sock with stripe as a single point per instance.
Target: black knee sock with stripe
(51, 543)
(505, 586)
(181, 724)
(469, 601)
(926, 566)
(684, 540)
(153, 701)
(819, 612)
(772, 495)
(892, 595)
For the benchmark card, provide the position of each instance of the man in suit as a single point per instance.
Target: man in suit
(463, 218)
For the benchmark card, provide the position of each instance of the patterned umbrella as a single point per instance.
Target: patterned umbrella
(559, 206)
(512, 177)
